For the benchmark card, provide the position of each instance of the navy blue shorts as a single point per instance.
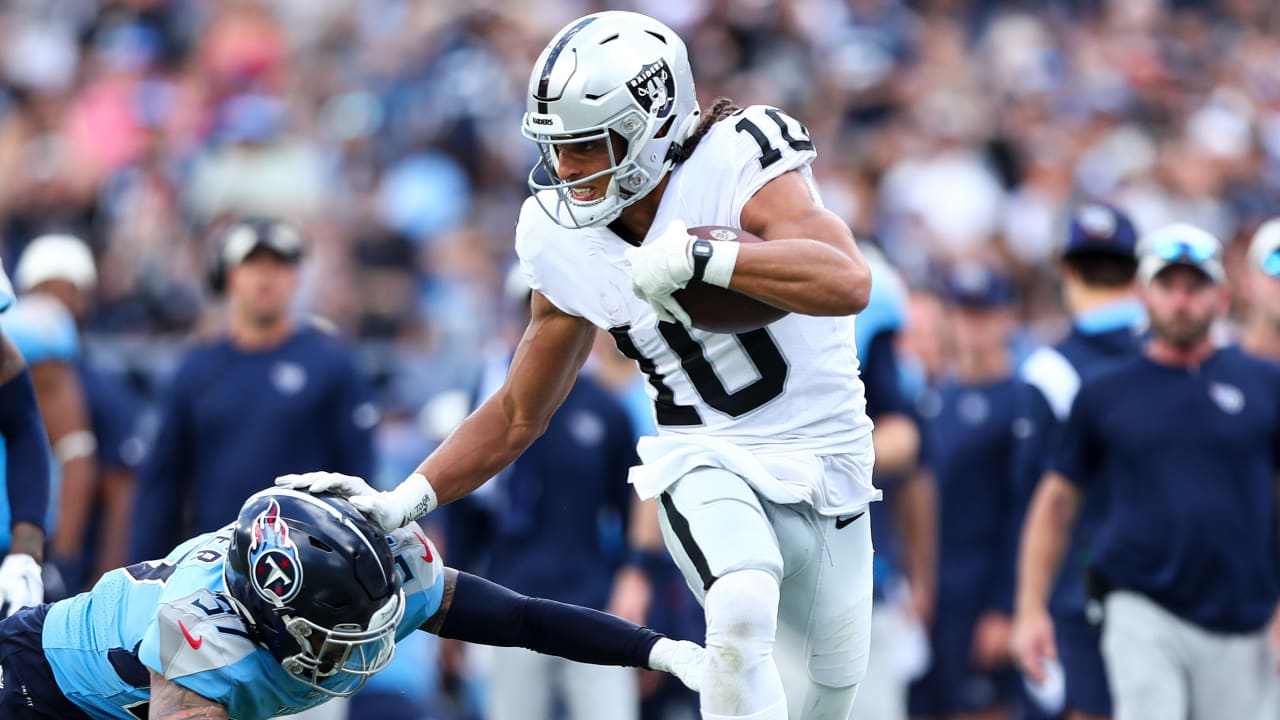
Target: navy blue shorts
(952, 685)
(27, 687)
(1080, 649)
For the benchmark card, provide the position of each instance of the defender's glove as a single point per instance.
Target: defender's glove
(681, 658)
(661, 267)
(20, 583)
(318, 482)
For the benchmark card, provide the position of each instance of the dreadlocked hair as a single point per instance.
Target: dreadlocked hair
(719, 110)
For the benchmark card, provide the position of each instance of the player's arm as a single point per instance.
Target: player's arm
(478, 611)
(63, 406)
(170, 701)
(811, 264)
(1044, 542)
(27, 454)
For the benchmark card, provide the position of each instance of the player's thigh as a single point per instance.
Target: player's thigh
(882, 694)
(1144, 670)
(520, 683)
(713, 524)
(592, 692)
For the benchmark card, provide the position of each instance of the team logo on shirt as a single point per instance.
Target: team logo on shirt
(273, 558)
(654, 88)
(289, 377)
(1228, 398)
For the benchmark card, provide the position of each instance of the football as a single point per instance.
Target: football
(719, 310)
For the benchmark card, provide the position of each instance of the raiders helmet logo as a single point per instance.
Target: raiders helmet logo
(654, 88)
(275, 571)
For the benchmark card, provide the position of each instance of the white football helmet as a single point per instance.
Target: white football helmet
(619, 72)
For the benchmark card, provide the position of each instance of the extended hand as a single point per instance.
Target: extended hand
(1032, 641)
(661, 267)
(321, 482)
(20, 583)
(681, 658)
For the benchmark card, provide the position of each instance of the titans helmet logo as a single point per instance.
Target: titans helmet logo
(654, 88)
(273, 558)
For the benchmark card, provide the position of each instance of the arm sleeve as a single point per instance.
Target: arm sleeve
(490, 614)
(162, 481)
(354, 417)
(26, 447)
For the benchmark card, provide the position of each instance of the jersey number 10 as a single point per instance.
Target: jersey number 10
(759, 347)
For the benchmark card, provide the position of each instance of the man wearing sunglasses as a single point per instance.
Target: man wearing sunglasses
(1260, 335)
(1182, 444)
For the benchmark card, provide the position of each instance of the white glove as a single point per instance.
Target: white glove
(411, 499)
(20, 583)
(319, 482)
(681, 658)
(661, 267)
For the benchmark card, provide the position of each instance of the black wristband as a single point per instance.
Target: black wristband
(701, 252)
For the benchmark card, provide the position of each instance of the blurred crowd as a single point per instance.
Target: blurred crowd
(388, 132)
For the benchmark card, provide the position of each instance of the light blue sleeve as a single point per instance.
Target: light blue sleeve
(42, 329)
(887, 307)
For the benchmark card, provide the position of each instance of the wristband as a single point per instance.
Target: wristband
(714, 260)
(417, 496)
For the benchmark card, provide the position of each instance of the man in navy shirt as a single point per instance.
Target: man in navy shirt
(969, 440)
(275, 396)
(1183, 443)
(1098, 265)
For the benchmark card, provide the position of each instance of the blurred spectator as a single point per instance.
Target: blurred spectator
(969, 431)
(62, 267)
(274, 396)
(45, 333)
(1098, 266)
(1260, 333)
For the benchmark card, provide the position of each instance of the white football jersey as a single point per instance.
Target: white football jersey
(792, 386)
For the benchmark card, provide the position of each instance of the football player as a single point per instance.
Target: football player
(24, 465)
(762, 465)
(299, 601)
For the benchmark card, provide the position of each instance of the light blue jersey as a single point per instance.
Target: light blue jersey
(886, 308)
(43, 331)
(172, 617)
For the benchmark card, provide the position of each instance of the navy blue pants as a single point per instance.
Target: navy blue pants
(27, 688)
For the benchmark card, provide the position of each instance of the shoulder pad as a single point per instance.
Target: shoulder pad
(198, 633)
(1048, 371)
(42, 329)
(416, 558)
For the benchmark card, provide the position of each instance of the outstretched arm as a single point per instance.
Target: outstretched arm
(546, 363)
(170, 701)
(476, 610)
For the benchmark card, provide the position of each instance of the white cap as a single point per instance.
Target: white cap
(1180, 244)
(56, 257)
(1265, 242)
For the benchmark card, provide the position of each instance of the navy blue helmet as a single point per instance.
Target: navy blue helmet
(317, 582)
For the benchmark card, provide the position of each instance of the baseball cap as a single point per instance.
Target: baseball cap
(1098, 228)
(56, 257)
(1264, 249)
(246, 236)
(974, 285)
(1180, 244)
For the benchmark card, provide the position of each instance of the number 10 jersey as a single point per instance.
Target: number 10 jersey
(792, 386)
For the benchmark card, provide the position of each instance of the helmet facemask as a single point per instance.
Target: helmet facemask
(338, 661)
